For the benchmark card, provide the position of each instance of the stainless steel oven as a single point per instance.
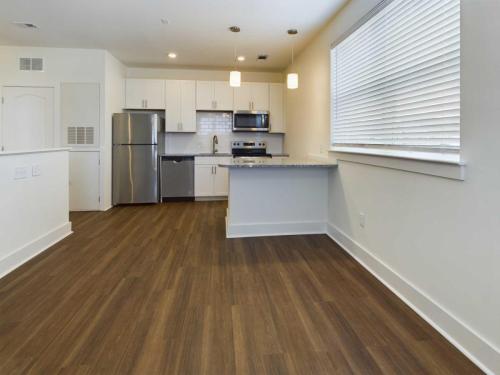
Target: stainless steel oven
(251, 121)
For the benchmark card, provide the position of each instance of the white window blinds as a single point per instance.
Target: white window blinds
(395, 81)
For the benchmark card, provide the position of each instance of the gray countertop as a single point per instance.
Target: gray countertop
(277, 162)
(219, 154)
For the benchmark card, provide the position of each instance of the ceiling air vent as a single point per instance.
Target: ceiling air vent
(262, 56)
(80, 135)
(31, 63)
(25, 25)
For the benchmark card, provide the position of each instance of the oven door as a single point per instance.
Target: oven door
(251, 121)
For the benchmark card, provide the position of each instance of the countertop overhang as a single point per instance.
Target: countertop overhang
(217, 154)
(277, 162)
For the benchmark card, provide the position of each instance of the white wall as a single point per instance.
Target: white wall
(202, 75)
(73, 65)
(60, 65)
(114, 90)
(432, 239)
(34, 209)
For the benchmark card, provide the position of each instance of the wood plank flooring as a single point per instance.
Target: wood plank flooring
(159, 290)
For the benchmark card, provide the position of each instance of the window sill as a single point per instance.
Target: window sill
(433, 164)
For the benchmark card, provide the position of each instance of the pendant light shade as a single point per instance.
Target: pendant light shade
(235, 78)
(292, 81)
(234, 75)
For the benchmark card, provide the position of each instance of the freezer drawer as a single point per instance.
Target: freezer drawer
(135, 174)
(177, 177)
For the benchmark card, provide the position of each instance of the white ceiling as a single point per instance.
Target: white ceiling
(197, 30)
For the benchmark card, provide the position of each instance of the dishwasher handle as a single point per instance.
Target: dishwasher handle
(177, 159)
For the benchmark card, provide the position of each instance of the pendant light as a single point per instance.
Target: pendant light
(292, 79)
(234, 75)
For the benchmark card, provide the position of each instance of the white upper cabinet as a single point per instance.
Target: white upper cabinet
(180, 115)
(243, 97)
(251, 96)
(214, 95)
(277, 108)
(260, 96)
(144, 93)
(223, 96)
(204, 95)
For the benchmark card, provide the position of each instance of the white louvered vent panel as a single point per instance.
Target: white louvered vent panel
(395, 81)
(31, 63)
(80, 135)
(24, 63)
(89, 135)
(37, 64)
(71, 135)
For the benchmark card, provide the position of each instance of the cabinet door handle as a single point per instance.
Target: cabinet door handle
(215, 169)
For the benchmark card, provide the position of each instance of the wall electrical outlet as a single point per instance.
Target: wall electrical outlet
(36, 170)
(362, 219)
(20, 173)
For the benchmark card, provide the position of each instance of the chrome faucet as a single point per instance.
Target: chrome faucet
(215, 141)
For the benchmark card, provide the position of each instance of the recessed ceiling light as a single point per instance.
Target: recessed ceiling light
(172, 55)
(241, 58)
(26, 25)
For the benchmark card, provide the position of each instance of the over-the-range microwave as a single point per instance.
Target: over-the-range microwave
(251, 121)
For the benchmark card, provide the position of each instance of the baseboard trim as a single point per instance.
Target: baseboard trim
(465, 339)
(273, 229)
(209, 199)
(33, 248)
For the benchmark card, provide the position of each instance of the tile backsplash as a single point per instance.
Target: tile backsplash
(220, 124)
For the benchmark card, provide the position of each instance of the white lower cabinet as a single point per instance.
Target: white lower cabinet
(203, 180)
(210, 180)
(221, 181)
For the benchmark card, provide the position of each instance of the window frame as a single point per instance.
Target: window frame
(425, 154)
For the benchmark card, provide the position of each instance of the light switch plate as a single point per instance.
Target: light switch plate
(36, 170)
(20, 173)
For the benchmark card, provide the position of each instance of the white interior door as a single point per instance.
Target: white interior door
(84, 180)
(28, 118)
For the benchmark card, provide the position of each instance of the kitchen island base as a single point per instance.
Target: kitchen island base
(277, 201)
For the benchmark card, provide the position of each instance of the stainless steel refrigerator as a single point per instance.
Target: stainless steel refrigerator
(135, 157)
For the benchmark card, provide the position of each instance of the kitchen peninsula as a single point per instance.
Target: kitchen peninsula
(276, 196)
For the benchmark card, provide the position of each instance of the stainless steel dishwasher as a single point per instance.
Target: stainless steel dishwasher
(177, 178)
